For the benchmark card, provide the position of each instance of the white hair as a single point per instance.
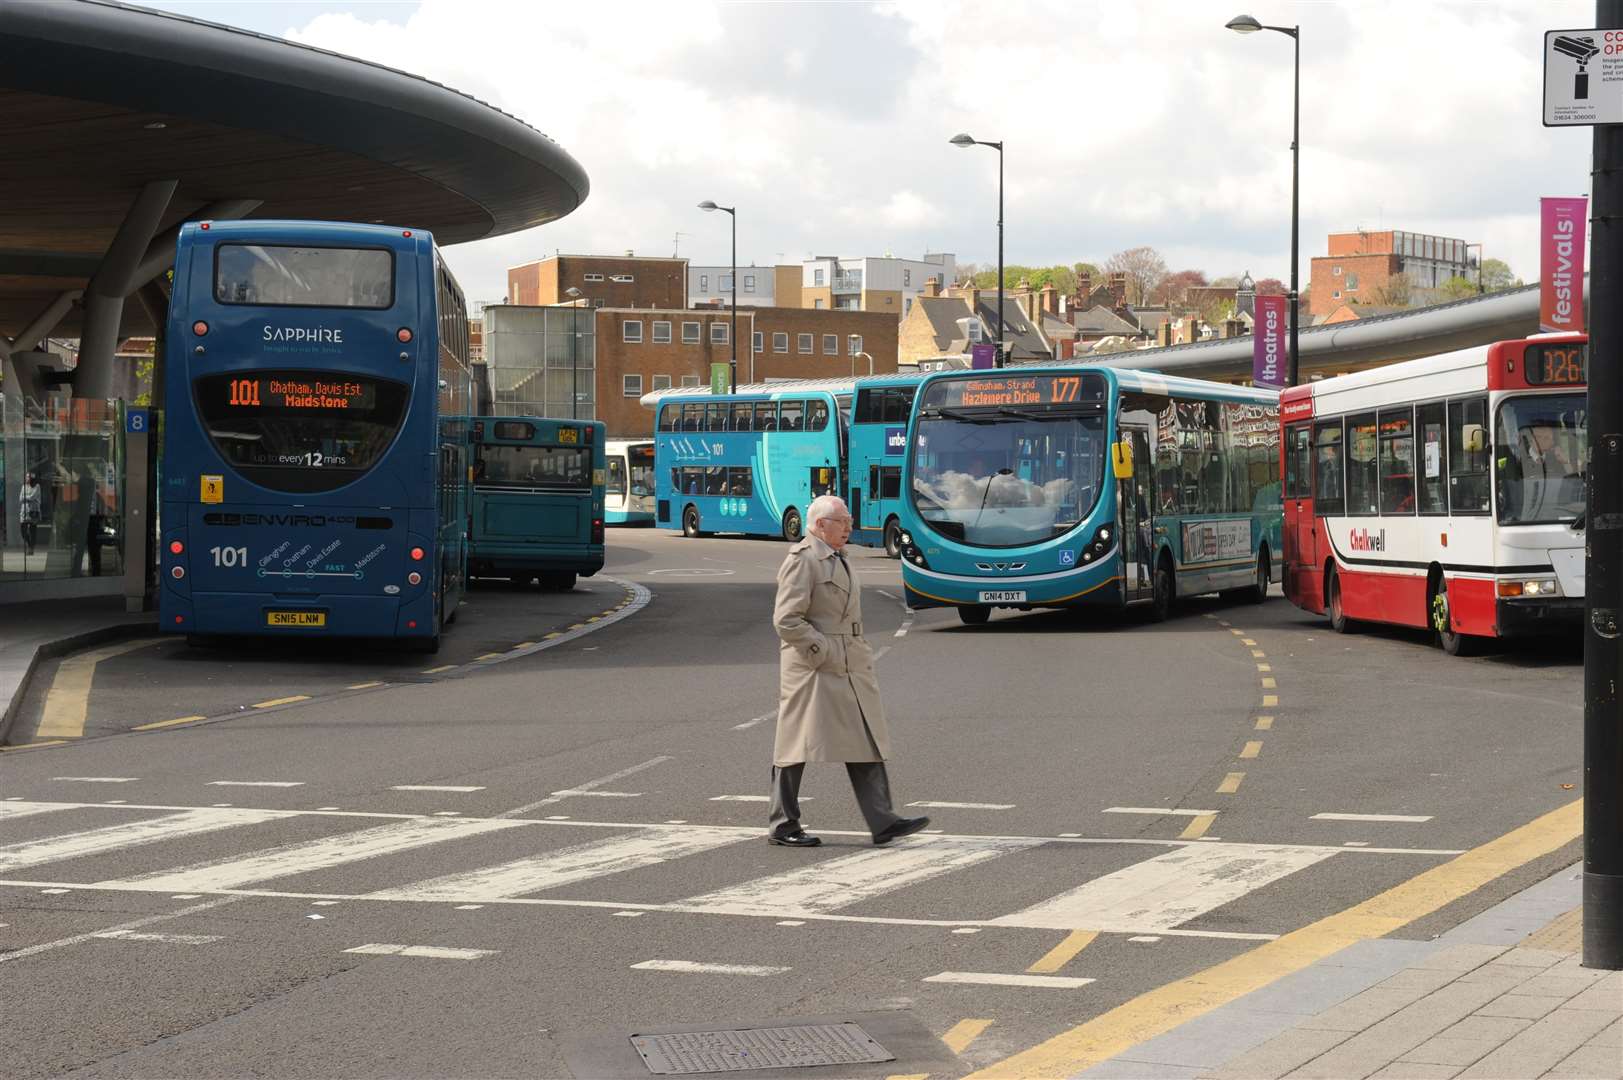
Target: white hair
(821, 507)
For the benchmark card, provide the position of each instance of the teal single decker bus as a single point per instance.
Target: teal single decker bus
(1043, 487)
(537, 506)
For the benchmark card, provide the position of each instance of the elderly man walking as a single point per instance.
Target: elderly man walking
(828, 697)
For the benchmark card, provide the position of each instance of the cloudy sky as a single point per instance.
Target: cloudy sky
(1126, 123)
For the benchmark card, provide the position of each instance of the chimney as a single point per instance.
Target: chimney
(1118, 290)
(932, 287)
(1050, 299)
(1084, 286)
(1163, 334)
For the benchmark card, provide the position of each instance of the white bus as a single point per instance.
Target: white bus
(628, 494)
(1443, 493)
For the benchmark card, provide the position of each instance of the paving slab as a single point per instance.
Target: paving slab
(1543, 1046)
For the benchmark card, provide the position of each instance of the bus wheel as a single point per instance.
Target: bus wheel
(975, 614)
(690, 521)
(792, 531)
(1258, 592)
(893, 539)
(563, 581)
(1164, 591)
(1453, 642)
(1338, 614)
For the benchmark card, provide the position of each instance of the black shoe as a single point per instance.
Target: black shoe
(798, 838)
(906, 826)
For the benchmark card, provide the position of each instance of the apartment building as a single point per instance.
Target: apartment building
(885, 284)
(1361, 265)
(603, 281)
(758, 286)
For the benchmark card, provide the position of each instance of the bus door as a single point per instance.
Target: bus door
(1134, 517)
(1300, 549)
(823, 481)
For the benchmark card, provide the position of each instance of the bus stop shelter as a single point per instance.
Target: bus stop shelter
(117, 124)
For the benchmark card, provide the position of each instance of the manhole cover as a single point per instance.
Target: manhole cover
(758, 1048)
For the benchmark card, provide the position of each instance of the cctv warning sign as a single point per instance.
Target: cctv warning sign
(1583, 77)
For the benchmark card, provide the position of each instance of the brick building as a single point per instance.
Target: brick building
(639, 350)
(603, 280)
(1360, 267)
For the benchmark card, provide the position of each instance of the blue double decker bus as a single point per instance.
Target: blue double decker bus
(876, 446)
(315, 452)
(537, 508)
(1059, 487)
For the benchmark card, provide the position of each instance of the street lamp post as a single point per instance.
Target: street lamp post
(1478, 247)
(574, 352)
(855, 352)
(963, 141)
(1245, 24)
(707, 206)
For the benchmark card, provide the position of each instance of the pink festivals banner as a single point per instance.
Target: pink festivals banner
(1561, 264)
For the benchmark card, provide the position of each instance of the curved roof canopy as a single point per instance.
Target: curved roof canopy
(98, 99)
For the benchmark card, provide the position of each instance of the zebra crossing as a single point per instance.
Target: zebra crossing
(1108, 884)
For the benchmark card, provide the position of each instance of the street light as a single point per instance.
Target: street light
(1478, 247)
(853, 340)
(1245, 24)
(574, 353)
(707, 206)
(966, 141)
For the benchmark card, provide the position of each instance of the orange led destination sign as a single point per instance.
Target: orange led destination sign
(320, 394)
(1014, 391)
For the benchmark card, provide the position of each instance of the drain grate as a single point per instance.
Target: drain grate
(688, 1052)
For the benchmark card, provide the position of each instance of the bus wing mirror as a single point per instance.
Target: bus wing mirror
(1121, 459)
(1473, 438)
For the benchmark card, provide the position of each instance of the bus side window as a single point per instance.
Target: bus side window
(1298, 456)
(873, 481)
(890, 482)
(1329, 468)
(766, 416)
(715, 480)
(790, 414)
(1431, 422)
(740, 480)
(667, 415)
(1362, 489)
(816, 415)
(715, 417)
(1467, 468)
(743, 417)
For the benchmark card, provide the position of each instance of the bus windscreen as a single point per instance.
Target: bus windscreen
(497, 465)
(283, 276)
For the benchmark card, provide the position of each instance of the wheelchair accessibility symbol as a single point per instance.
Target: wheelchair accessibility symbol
(1067, 557)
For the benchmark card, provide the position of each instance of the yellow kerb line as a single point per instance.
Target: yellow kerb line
(1057, 957)
(1258, 653)
(437, 670)
(964, 1032)
(554, 634)
(1252, 749)
(1264, 723)
(1197, 827)
(34, 745)
(1231, 783)
(282, 701)
(168, 723)
(491, 656)
(1247, 641)
(1265, 667)
(1269, 684)
(524, 645)
(1270, 701)
(1164, 1008)
(365, 685)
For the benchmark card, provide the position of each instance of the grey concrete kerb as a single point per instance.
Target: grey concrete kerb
(22, 656)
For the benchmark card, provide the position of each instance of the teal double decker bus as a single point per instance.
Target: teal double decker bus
(537, 507)
(751, 461)
(1050, 487)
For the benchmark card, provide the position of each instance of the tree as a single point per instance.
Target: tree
(1144, 268)
(1457, 288)
(1216, 309)
(1062, 277)
(1087, 268)
(1270, 286)
(1496, 276)
(1174, 288)
(1396, 291)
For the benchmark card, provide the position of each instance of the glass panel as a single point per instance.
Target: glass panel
(616, 481)
(1362, 487)
(499, 466)
(62, 476)
(642, 469)
(816, 415)
(1397, 462)
(1298, 455)
(791, 415)
(1540, 449)
(1329, 469)
(1431, 421)
(715, 480)
(1467, 469)
(766, 416)
(277, 276)
(740, 481)
(743, 416)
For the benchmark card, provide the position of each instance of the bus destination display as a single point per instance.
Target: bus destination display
(1013, 391)
(299, 394)
(1556, 365)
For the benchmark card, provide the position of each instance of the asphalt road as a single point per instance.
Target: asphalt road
(532, 847)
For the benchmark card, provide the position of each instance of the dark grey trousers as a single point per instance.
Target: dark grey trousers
(869, 781)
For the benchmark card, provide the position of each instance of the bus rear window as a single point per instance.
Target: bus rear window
(532, 466)
(284, 276)
(300, 431)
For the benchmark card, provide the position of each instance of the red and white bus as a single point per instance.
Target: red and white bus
(1443, 493)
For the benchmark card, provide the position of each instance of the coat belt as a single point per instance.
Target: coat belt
(853, 629)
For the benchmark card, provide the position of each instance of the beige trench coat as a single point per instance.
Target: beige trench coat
(828, 697)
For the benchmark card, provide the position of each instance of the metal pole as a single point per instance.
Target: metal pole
(1603, 571)
(574, 364)
(1000, 359)
(734, 215)
(1293, 372)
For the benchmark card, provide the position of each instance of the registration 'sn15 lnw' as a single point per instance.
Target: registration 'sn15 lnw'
(1087, 485)
(1444, 493)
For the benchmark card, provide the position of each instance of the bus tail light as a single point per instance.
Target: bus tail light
(176, 547)
(589, 433)
(404, 334)
(200, 328)
(177, 572)
(414, 578)
(597, 529)
(416, 554)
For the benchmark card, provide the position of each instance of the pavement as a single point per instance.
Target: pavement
(31, 633)
(1501, 995)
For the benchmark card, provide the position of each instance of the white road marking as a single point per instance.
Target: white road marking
(469, 907)
(880, 655)
(433, 787)
(256, 783)
(308, 855)
(1148, 939)
(570, 793)
(127, 834)
(1373, 817)
(10, 810)
(432, 952)
(791, 922)
(78, 939)
(690, 967)
(886, 595)
(747, 798)
(829, 885)
(967, 930)
(1168, 890)
(965, 805)
(167, 939)
(746, 725)
(907, 624)
(554, 869)
(323, 903)
(992, 978)
(630, 914)
(1157, 810)
(520, 811)
(98, 779)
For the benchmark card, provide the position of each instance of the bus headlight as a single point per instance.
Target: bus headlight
(1529, 587)
(911, 552)
(1103, 536)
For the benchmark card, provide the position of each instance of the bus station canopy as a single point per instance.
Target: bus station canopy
(117, 123)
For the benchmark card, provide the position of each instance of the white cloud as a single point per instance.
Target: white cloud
(1124, 124)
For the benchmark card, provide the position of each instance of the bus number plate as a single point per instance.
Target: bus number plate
(295, 618)
(568, 435)
(1003, 596)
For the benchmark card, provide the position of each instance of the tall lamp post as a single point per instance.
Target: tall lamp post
(967, 140)
(574, 352)
(856, 352)
(1478, 247)
(1245, 24)
(732, 211)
